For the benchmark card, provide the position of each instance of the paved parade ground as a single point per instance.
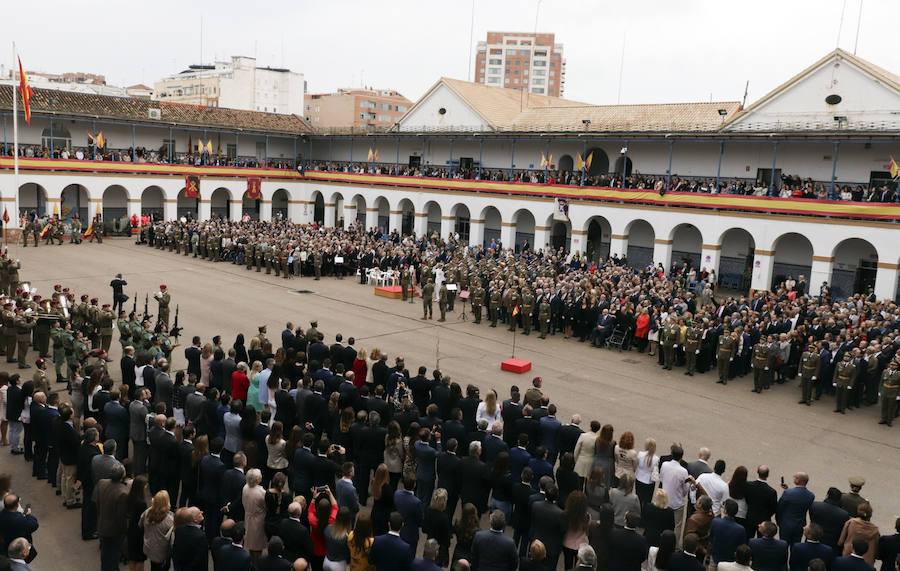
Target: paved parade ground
(627, 390)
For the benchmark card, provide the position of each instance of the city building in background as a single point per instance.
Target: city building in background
(364, 109)
(235, 84)
(77, 82)
(522, 61)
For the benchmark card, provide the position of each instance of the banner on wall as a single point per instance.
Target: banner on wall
(561, 210)
(192, 186)
(254, 188)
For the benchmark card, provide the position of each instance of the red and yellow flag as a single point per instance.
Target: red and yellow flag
(100, 140)
(27, 92)
(45, 231)
(588, 159)
(373, 155)
(192, 186)
(515, 311)
(90, 231)
(209, 146)
(894, 168)
(5, 216)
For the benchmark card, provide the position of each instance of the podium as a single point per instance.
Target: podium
(517, 366)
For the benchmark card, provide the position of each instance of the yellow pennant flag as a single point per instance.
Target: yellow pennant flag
(209, 146)
(895, 169)
(369, 156)
(543, 160)
(579, 162)
(588, 159)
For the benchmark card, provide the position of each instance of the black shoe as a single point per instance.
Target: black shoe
(720, 382)
(837, 410)
(91, 537)
(25, 366)
(882, 422)
(802, 402)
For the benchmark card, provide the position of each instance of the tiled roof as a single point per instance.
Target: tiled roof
(678, 117)
(511, 110)
(178, 114)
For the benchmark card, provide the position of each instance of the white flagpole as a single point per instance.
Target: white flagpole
(15, 215)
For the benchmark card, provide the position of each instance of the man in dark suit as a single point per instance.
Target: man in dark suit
(370, 453)
(430, 552)
(803, 553)
(233, 481)
(302, 467)
(138, 409)
(68, 443)
(14, 524)
(474, 486)
(285, 411)
(345, 491)
(889, 549)
(86, 453)
(568, 435)
(769, 554)
(539, 464)
(229, 366)
(440, 393)
(348, 355)
(521, 518)
(548, 525)
(192, 355)
(327, 463)
(410, 509)
(725, 534)
(492, 549)
(510, 412)
(377, 404)
(530, 426)
(493, 444)
(448, 474)
(420, 386)
(830, 516)
(287, 336)
(210, 487)
(389, 552)
(189, 549)
(336, 351)
(550, 427)
(762, 500)
(112, 518)
(40, 434)
(686, 559)
(519, 458)
(701, 464)
(454, 428)
(790, 514)
(185, 450)
(854, 561)
(274, 560)
(233, 556)
(156, 459)
(631, 547)
(296, 537)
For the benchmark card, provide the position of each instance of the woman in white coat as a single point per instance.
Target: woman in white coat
(584, 450)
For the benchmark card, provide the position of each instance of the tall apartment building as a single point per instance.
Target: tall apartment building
(363, 109)
(235, 84)
(521, 60)
(76, 82)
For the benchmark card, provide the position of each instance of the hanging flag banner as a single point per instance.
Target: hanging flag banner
(894, 168)
(372, 156)
(579, 162)
(26, 91)
(587, 160)
(192, 186)
(561, 210)
(254, 188)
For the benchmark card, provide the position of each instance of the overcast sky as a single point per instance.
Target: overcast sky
(681, 50)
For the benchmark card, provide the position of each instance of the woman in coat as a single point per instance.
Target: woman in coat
(584, 451)
(253, 497)
(157, 522)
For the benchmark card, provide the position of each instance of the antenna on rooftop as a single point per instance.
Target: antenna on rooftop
(858, 23)
(837, 42)
(746, 89)
(201, 39)
(471, 38)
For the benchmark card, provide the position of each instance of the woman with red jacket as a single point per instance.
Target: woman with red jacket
(322, 513)
(240, 383)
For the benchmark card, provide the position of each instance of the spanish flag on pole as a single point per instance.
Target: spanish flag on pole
(27, 92)
(45, 231)
(894, 168)
(373, 155)
(579, 162)
(90, 231)
(588, 159)
(515, 311)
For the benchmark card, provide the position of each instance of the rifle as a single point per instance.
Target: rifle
(175, 331)
(134, 305)
(146, 310)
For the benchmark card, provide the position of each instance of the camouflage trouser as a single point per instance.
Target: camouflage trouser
(476, 311)
(59, 360)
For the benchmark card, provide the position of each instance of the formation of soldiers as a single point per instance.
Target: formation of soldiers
(554, 292)
(51, 229)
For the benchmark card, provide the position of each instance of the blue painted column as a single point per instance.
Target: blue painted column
(397, 160)
(512, 160)
(583, 164)
(133, 151)
(772, 178)
(480, 155)
(171, 146)
(624, 164)
(831, 193)
(266, 163)
(719, 167)
(451, 157)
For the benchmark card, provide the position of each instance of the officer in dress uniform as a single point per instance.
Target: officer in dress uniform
(494, 307)
(809, 373)
(443, 302)
(404, 281)
(477, 300)
(843, 379)
(761, 354)
(890, 392)
(427, 299)
(163, 299)
(670, 336)
(24, 324)
(512, 301)
(451, 294)
(527, 310)
(544, 314)
(692, 337)
(105, 321)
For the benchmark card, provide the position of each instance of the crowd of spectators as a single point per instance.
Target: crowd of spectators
(785, 186)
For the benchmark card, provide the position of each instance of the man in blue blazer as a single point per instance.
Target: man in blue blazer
(769, 554)
(426, 453)
(345, 491)
(519, 457)
(803, 553)
(411, 511)
(233, 481)
(550, 427)
(302, 467)
(233, 556)
(790, 514)
(390, 551)
(210, 490)
(725, 534)
(854, 561)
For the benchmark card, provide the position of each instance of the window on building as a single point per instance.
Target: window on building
(401, 108)
(496, 52)
(539, 63)
(537, 81)
(542, 53)
(481, 51)
(524, 52)
(493, 80)
(525, 72)
(386, 117)
(495, 61)
(540, 72)
(552, 64)
(317, 108)
(366, 104)
(494, 71)
(309, 107)
(511, 42)
(481, 70)
(525, 81)
(230, 150)
(537, 90)
(506, 81)
(516, 80)
(367, 115)
(188, 90)
(518, 63)
(552, 82)
(385, 106)
(516, 72)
